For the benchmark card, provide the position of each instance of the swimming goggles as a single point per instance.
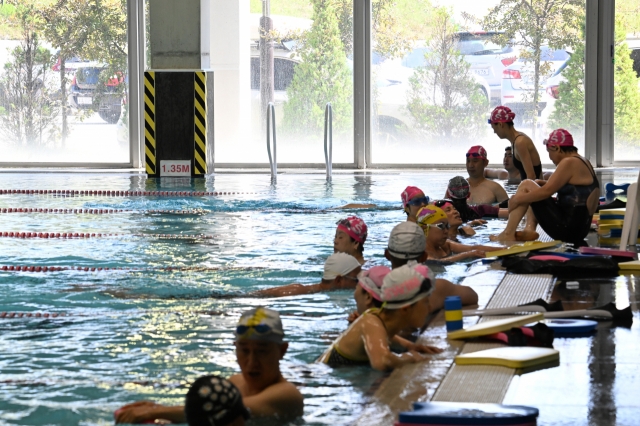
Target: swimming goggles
(418, 201)
(442, 203)
(260, 329)
(441, 226)
(474, 155)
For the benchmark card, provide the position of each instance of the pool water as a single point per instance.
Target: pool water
(147, 333)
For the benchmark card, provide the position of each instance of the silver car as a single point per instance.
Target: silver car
(518, 82)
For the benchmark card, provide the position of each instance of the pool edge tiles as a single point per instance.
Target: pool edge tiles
(419, 382)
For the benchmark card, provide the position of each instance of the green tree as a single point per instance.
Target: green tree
(626, 92)
(322, 76)
(443, 97)
(28, 107)
(532, 24)
(569, 107)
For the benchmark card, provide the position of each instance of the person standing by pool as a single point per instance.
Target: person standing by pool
(404, 298)
(525, 155)
(413, 199)
(340, 273)
(435, 225)
(568, 216)
(482, 190)
(259, 349)
(510, 172)
(350, 237)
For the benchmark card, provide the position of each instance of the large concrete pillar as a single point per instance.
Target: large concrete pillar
(174, 34)
(230, 60)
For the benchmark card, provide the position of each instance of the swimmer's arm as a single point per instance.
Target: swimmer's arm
(141, 411)
(500, 193)
(525, 157)
(410, 346)
(465, 255)
(282, 399)
(462, 248)
(285, 290)
(494, 173)
(445, 288)
(376, 344)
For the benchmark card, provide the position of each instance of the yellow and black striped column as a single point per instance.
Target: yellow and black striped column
(200, 124)
(150, 122)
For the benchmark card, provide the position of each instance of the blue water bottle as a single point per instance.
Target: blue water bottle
(453, 313)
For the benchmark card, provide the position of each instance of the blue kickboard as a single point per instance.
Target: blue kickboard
(464, 413)
(568, 327)
(568, 255)
(610, 187)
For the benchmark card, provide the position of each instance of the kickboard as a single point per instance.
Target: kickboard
(633, 265)
(612, 241)
(608, 214)
(611, 187)
(568, 327)
(521, 248)
(510, 356)
(466, 413)
(608, 252)
(495, 326)
(611, 222)
(566, 255)
(547, 257)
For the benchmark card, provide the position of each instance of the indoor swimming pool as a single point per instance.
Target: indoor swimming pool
(163, 312)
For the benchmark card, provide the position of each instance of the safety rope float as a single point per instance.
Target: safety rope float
(74, 192)
(99, 211)
(94, 235)
(26, 268)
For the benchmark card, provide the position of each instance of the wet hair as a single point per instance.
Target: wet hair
(360, 245)
(568, 149)
(508, 148)
(509, 123)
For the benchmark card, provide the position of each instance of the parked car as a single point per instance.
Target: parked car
(392, 82)
(518, 82)
(83, 92)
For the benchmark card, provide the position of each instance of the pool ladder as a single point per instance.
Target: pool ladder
(328, 139)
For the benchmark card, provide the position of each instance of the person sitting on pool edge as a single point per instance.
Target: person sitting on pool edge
(259, 349)
(407, 243)
(568, 216)
(340, 272)
(510, 173)
(413, 199)
(214, 400)
(350, 237)
(404, 296)
(482, 190)
(525, 155)
(435, 225)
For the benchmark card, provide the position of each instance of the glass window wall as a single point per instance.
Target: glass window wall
(63, 83)
(626, 76)
(440, 70)
(300, 59)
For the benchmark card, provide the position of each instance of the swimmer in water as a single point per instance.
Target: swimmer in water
(214, 400)
(259, 348)
(413, 199)
(403, 295)
(350, 237)
(456, 226)
(510, 173)
(435, 225)
(482, 190)
(340, 273)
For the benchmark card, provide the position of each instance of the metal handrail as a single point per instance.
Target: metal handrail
(271, 132)
(328, 139)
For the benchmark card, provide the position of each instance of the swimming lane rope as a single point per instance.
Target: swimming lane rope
(30, 268)
(72, 192)
(68, 235)
(100, 211)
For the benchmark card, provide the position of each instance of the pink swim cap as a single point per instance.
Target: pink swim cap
(502, 114)
(559, 137)
(477, 151)
(408, 193)
(354, 227)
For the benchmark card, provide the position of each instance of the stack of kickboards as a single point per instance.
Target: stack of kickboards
(465, 413)
(609, 225)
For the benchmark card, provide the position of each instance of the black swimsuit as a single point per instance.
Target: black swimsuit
(567, 216)
(518, 164)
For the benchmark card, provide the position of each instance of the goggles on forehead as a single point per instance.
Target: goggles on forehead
(260, 329)
(474, 155)
(442, 203)
(418, 201)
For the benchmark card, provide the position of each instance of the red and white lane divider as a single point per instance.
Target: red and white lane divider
(29, 268)
(98, 211)
(72, 192)
(8, 315)
(68, 235)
